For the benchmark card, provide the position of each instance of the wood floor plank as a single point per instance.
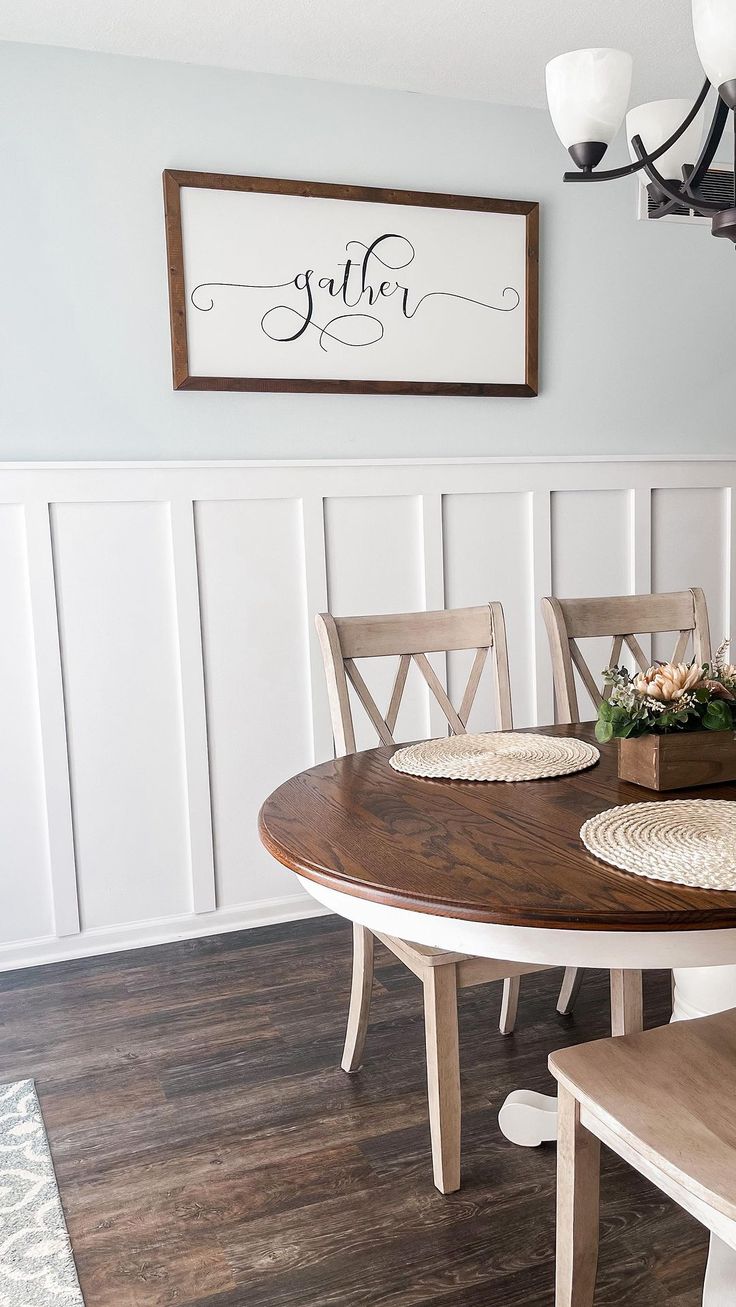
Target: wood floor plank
(210, 1153)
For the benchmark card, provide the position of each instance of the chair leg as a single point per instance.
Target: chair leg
(509, 1004)
(627, 1008)
(569, 990)
(360, 999)
(578, 1185)
(443, 1074)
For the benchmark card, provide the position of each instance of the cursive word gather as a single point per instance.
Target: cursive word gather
(361, 284)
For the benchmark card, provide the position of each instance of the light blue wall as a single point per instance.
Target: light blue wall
(637, 326)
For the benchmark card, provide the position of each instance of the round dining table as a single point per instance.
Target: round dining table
(498, 870)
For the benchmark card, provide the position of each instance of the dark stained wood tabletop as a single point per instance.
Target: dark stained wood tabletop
(491, 852)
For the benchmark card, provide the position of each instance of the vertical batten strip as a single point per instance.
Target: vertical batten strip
(641, 549)
(52, 716)
(193, 705)
(317, 601)
(540, 526)
(433, 559)
(641, 540)
(729, 575)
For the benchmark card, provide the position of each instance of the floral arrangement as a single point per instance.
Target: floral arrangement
(669, 697)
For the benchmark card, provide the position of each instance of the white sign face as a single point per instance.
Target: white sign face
(321, 292)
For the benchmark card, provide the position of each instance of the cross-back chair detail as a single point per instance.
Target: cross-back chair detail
(623, 618)
(411, 637)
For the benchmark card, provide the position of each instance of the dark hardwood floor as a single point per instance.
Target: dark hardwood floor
(209, 1150)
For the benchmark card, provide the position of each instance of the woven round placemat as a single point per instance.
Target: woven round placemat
(686, 841)
(496, 756)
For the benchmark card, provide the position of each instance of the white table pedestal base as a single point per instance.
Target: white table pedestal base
(719, 1288)
(528, 1119)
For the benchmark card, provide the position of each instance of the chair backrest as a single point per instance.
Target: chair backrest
(410, 637)
(623, 617)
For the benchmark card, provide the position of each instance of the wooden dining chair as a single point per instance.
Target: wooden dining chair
(621, 618)
(410, 637)
(663, 1101)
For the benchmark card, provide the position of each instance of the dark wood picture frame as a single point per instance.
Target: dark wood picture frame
(175, 180)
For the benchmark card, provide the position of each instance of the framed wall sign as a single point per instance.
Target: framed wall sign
(300, 286)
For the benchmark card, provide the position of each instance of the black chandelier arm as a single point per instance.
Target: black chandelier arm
(627, 170)
(669, 205)
(679, 194)
(708, 152)
(694, 177)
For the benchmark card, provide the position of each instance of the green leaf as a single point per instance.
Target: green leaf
(717, 716)
(603, 731)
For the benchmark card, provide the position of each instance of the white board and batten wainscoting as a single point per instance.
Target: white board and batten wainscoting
(159, 675)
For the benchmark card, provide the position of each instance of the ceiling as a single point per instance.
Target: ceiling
(473, 49)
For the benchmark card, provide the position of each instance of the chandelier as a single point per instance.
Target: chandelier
(588, 91)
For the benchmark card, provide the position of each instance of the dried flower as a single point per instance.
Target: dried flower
(718, 690)
(668, 697)
(719, 662)
(669, 681)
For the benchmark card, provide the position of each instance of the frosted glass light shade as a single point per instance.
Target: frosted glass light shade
(655, 122)
(587, 92)
(714, 25)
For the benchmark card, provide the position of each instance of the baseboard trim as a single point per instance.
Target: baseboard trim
(163, 930)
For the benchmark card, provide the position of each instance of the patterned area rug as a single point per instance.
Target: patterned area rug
(36, 1263)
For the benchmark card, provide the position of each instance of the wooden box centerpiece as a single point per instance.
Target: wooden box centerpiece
(679, 761)
(675, 723)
